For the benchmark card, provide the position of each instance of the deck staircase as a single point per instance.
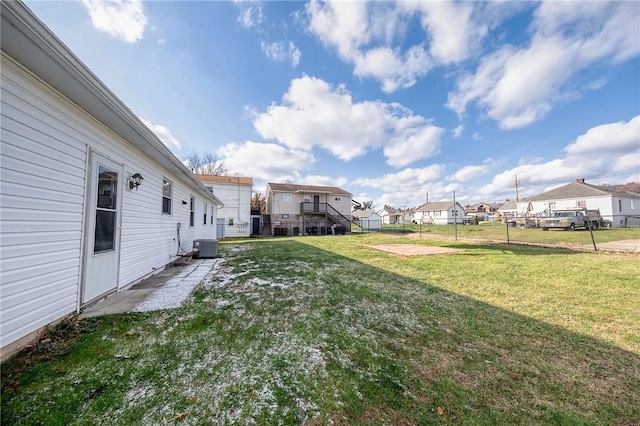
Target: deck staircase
(265, 230)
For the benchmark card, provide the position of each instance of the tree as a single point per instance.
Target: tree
(257, 202)
(206, 164)
(367, 205)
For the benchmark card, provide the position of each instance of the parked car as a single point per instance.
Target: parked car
(572, 219)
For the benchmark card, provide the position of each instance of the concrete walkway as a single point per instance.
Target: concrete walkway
(165, 290)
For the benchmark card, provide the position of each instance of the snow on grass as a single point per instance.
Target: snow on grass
(177, 289)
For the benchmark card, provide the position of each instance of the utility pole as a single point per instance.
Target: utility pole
(517, 182)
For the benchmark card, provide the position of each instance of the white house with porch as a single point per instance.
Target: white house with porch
(619, 208)
(439, 213)
(91, 201)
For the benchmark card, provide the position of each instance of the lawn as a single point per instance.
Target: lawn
(496, 231)
(323, 330)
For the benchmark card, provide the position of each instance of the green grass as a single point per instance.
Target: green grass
(496, 231)
(323, 330)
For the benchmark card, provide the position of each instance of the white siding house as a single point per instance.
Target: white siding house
(73, 226)
(619, 208)
(440, 213)
(235, 193)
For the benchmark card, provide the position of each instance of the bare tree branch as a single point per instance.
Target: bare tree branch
(206, 164)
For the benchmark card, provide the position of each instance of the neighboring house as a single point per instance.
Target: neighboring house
(235, 193)
(483, 211)
(76, 224)
(393, 216)
(439, 213)
(514, 209)
(621, 208)
(303, 209)
(367, 219)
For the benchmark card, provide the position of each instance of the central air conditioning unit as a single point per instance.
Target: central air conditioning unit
(205, 249)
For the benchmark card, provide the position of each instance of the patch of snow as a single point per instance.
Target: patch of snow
(177, 289)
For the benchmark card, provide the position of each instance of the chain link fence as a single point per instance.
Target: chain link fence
(616, 233)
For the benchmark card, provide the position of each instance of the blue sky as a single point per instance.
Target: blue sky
(390, 101)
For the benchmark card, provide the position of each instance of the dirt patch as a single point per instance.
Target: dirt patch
(413, 249)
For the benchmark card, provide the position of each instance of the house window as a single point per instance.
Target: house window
(212, 215)
(230, 221)
(620, 205)
(582, 204)
(167, 193)
(552, 206)
(285, 216)
(192, 211)
(306, 198)
(337, 199)
(205, 213)
(286, 198)
(633, 204)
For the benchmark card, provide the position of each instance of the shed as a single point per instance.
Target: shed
(367, 219)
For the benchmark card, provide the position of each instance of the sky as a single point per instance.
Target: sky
(395, 102)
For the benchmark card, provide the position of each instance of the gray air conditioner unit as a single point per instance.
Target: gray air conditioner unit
(205, 249)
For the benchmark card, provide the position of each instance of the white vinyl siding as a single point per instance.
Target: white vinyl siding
(237, 205)
(42, 201)
(45, 144)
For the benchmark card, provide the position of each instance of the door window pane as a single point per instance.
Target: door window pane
(106, 212)
(107, 188)
(105, 231)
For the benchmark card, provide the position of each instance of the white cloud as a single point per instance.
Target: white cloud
(339, 181)
(407, 178)
(598, 152)
(265, 161)
(457, 132)
(452, 30)
(164, 134)
(281, 51)
(613, 137)
(122, 19)
(361, 33)
(314, 113)
(371, 35)
(471, 172)
(518, 86)
(250, 14)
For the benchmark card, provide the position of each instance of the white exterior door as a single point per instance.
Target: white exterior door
(103, 227)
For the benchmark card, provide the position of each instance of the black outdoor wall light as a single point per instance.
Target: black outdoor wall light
(135, 181)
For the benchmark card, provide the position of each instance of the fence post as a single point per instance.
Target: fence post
(507, 223)
(593, 240)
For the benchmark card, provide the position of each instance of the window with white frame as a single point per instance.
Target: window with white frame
(306, 198)
(286, 198)
(230, 221)
(582, 204)
(167, 194)
(204, 210)
(552, 206)
(211, 215)
(633, 204)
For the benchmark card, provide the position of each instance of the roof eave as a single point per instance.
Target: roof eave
(29, 41)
